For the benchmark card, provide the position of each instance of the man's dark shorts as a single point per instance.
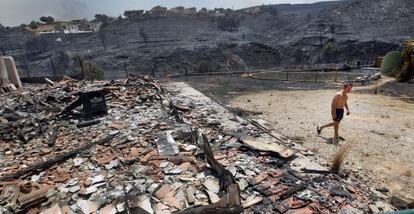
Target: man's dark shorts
(339, 114)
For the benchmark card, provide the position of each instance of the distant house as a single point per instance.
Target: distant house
(158, 10)
(177, 10)
(219, 12)
(68, 27)
(95, 25)
(133, 14)
(44, 29)
(203, 11)
(79, 25)
(253, 10)
(190, 11)
(180, 10)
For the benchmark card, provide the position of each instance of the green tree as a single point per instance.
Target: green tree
(47, 19)
(33, 24)
(102, 18)
(87, 69)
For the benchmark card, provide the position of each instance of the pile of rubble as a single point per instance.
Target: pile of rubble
(136, 146)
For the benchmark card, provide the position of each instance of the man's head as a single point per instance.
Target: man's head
(348, 87)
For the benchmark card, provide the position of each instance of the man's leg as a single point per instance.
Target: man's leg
(336, 128)
(327, 125)
(319, 129)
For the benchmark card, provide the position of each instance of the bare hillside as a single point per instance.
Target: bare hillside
(340, 32)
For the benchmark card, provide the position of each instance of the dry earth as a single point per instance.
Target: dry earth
(380, 128)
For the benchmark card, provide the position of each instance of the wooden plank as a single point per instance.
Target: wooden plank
(256, 144)
(265, 126)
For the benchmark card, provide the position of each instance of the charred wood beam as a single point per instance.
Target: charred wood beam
(293, 190)
(71, 107)
(316, 171)
(174, 108)
(87, 123)
(276, 136)
(230, 203)
(226, 178)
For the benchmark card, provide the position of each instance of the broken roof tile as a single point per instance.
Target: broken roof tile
(212, 184)
(86, 206)
(164, 191)
(108, 209)
(55, 209)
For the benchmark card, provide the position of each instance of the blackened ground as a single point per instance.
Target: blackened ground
(222, 88)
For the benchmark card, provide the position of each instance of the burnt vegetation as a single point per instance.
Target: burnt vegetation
(262, 37)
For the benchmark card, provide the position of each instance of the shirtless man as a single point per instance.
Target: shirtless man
(337, 110)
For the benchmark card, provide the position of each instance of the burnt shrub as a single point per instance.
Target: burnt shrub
(228, 23)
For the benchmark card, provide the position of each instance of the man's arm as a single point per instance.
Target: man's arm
(347, 109)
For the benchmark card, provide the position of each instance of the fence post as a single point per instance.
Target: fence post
(90, 68)
(81, 67)
(126, 70)
(153, 70)
(117, 39)
(287, 75)
(316, 76)
(2, 50)
(336, 75)
(53, 66)
(186, 73)
(26, 64)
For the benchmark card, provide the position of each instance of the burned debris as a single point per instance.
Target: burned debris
(137, 146)
(93, 103)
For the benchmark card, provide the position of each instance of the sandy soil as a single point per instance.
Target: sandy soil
(380, 128)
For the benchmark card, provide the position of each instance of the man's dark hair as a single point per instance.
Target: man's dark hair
(346, 85)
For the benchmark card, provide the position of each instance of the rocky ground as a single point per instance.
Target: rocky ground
(379, 128)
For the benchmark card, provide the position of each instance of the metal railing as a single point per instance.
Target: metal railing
(308, 76)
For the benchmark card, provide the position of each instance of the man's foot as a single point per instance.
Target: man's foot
(318, 130)
(341, 138)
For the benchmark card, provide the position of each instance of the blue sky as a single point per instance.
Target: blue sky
(15, 12)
